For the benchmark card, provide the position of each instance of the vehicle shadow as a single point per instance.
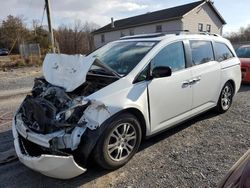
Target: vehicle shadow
(172, 131)
(23, 176)
(244, 88)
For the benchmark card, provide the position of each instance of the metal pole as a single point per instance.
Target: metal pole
(47, 4)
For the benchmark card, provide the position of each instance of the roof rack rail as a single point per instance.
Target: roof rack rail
(152, 35)
(174, 32)
(207, 33)
(177, 32)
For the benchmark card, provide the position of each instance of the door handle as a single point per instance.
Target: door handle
(185, 84)
(191, 82)
(195, 80)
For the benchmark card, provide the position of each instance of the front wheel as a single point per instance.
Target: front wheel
(226, 98)
(119, 142)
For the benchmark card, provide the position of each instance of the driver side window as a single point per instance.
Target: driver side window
(172, 56)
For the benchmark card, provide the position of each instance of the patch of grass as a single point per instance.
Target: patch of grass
(21, 63)
(17, 61)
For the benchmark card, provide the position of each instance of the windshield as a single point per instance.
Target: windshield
(243, 52)
(122, 57)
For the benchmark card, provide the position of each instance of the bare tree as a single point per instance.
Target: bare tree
(13, 32)
(72, 39)
(242, 35)
(76, 39)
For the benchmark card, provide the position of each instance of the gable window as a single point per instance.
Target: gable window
(208, 28)
(131, 32)
(158, 28)
(200, 27)
(103, 38)
(202, 52)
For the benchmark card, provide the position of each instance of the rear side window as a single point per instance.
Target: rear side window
(202, 51)
(222, 52)
(172, 56)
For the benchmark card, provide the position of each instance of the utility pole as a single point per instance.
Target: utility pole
(47, 5)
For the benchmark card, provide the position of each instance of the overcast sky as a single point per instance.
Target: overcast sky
(236, 13)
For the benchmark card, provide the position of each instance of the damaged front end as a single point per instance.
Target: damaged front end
(52, 127)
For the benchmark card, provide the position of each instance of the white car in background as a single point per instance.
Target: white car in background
(102, 105)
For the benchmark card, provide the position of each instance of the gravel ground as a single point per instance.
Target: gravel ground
(14, 84)
(18, 78)
(197, 153)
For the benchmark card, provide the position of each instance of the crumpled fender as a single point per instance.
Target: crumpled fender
(95, 114)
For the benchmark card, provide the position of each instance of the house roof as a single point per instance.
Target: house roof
(157, 16)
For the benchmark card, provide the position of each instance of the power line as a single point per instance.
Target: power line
(43, 14)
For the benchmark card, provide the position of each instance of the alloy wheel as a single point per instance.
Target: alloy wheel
(226, 97)
(121, 141)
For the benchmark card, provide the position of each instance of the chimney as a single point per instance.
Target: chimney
(112, 23)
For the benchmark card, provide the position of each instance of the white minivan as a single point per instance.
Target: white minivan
(102, 105)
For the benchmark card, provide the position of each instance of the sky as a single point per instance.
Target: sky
(236, 13)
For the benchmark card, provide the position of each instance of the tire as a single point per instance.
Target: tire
(226, 98)
(124, 146)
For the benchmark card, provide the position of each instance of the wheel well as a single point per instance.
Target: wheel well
(137, 113)
(233, 84)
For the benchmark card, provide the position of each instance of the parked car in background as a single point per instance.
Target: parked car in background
(243, 53)
(4, 51)
(102, 105)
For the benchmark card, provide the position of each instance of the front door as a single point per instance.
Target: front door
(169, 97)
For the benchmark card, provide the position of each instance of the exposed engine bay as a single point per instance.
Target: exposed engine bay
(57, 123)
(52, 120)
(49, 108)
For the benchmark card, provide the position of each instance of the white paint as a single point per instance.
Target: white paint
(171, 102)
(96, 114)
(63, 167)
(67, 71)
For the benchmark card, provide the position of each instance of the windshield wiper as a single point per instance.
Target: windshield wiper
(105, 67)
(101, 71)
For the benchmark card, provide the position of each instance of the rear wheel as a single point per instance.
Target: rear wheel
(226, 98)
(119, 142)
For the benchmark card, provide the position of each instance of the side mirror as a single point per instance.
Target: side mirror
(161, 71)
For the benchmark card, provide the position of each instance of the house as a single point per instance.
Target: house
(200, 16)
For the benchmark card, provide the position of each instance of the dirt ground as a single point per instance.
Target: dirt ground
(197, 153)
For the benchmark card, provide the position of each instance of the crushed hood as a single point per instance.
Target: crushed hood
(66, 71)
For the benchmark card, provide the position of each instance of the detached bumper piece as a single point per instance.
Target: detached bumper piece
(56, 166)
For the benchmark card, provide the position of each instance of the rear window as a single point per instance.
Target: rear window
(243, 52)
(202, 52)
(222, 52)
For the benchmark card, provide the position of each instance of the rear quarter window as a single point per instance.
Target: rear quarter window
(202, 52)
(222, 52)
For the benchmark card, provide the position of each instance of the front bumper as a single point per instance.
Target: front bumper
(62, 167)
